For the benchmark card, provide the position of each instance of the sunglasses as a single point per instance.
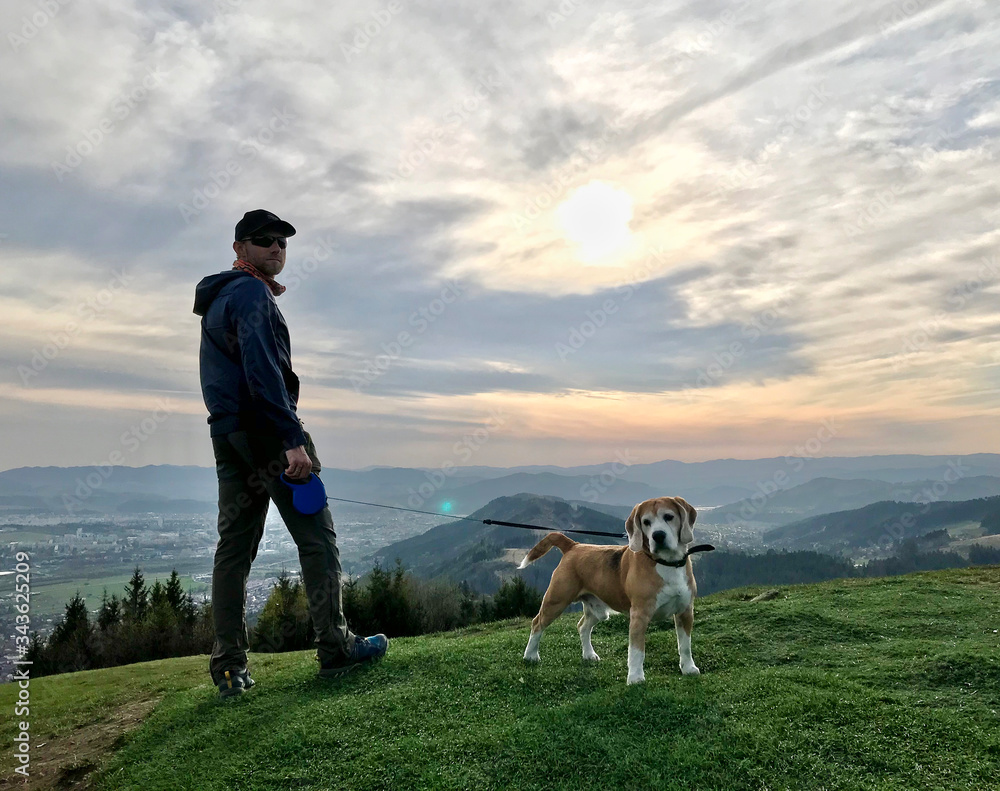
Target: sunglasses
(267, 241)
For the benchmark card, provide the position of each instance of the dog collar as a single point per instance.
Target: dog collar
(678, 563)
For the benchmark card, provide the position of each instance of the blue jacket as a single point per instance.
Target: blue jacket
(246, 361)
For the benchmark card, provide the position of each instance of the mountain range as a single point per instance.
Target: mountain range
(884, 523)
(826, 495)
(845, 482)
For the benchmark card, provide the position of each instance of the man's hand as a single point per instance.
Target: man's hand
(299, 463)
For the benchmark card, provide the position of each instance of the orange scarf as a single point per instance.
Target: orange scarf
(276, 288)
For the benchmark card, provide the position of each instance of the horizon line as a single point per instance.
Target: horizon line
(372, 467)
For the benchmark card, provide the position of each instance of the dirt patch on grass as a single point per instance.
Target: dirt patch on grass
(68, 761)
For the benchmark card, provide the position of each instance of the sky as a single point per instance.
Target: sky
(527, 232)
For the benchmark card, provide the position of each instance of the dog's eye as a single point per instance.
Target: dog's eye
(646, 522)
(668, 517)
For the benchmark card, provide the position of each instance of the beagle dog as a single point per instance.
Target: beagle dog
(650, 578)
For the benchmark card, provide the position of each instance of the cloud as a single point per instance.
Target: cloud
(813, 215)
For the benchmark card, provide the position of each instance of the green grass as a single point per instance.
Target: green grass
(23, 536)
(855, 684)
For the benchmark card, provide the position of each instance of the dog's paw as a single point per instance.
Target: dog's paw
(690, 670)
(638, 679)
(591, 657)
(532, 658)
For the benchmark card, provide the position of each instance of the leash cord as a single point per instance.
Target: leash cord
(677, 564)
(484, 521)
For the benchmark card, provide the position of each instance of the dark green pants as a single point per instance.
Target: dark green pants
(249, 465)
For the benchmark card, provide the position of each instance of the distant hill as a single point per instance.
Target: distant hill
(621, 481)
(395, 485)
(880, 524)
(827, 495)
(165, 480)
(698, 477)
(714, 495)
(566, 487)
(617, 511)
(485, 555)
(101, 503)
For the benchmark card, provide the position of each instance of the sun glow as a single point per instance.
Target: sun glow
(596, 217)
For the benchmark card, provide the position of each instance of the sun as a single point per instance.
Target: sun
(596, 217)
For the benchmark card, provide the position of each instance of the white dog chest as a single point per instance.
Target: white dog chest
(675, 595)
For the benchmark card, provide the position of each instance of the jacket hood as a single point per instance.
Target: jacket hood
(208, 289)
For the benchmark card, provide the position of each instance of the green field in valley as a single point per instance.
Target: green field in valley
(49, 599)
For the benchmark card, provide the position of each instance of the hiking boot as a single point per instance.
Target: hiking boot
(365, 649)
(234, 682)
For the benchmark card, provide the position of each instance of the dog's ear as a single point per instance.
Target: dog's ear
(635, 535)
(687, 521)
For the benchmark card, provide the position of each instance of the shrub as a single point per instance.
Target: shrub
(515, 598)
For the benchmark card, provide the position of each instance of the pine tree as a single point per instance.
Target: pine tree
(38, 655)
(158, 594)
(353, 601)
(136, 598)
(467, 604)
(161, 625)
(75, 619)
(107, 640)
(110, 614)
(175, 594)
(71, 642)
(189, 611)
(284, 623)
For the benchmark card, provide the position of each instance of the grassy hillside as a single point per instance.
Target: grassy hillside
(860, 684)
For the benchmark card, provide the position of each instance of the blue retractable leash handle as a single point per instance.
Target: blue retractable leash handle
(308, 496)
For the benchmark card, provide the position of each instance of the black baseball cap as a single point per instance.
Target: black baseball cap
(258, 222)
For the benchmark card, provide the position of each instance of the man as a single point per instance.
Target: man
(251, 393)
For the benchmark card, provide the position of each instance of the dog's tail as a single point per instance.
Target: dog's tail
(551, 540)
